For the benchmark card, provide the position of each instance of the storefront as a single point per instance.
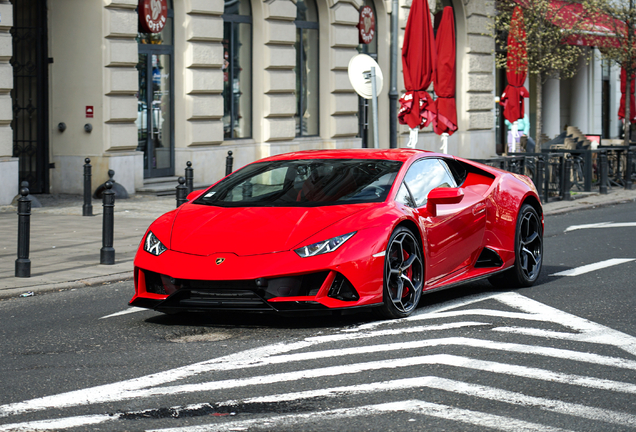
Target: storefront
(203, 77)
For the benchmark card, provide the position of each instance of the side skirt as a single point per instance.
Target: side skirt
(463, 281)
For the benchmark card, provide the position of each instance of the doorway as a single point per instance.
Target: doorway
(155, 100)
(30, 93)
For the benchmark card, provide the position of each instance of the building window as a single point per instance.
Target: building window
(365, 117)
(237, 69)
(155, 103)
(306, 68)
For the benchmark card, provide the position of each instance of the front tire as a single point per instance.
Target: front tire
(403, 275)
(528, 252)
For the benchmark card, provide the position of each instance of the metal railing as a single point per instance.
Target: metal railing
(557, 173)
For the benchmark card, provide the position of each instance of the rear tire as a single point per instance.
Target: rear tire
(403, 275)
(528, 252)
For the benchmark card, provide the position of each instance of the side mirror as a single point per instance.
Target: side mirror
(193, 194)
(443, 196)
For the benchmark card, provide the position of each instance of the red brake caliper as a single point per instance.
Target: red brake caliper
(409, 273)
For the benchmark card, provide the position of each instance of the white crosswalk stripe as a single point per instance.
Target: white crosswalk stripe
(415, 353)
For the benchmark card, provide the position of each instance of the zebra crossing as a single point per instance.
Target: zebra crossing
(496, 361)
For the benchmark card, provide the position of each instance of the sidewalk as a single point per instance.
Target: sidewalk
(64, 248)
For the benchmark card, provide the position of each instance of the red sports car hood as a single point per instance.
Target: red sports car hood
(204, 230)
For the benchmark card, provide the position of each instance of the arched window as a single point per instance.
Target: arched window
(155, 104)
(306, 68)
(237, 69)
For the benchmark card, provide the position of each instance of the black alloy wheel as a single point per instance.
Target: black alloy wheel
(528, 251)
(403, 275)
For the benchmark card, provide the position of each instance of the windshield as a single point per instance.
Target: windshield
(303, 183)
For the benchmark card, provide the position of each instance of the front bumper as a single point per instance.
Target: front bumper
(283, 294)
(278, 282)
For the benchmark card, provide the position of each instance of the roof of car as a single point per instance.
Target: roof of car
(388, 154)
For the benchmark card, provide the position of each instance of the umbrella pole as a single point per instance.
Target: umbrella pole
(444, 148)
(412, 138)
(374, 103)
(514, 131)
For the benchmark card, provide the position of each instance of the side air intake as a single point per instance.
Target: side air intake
(488, 258)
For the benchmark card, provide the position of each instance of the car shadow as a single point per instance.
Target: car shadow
(222, 319)
(326, 320)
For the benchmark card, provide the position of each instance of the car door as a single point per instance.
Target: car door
(453, 236)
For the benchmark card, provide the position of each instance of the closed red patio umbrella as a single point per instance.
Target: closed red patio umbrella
(516, 69)
(632, 101)
(417, 107)
(446, 118)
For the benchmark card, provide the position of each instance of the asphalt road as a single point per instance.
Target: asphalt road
(558, 356)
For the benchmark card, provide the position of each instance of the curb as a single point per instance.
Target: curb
(64, 286)
(578, 207)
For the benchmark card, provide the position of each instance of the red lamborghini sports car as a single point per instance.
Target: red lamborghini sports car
(334, 229)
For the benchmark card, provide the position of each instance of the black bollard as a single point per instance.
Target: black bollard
(603, 172)
(182, 192)
(538, 175)
(107, 252)
(247, 190)
(87, 208)
(567, 181)
(23, 263)
(229, 161)
(629, 159)
(189, 177)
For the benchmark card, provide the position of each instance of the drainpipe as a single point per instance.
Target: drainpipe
(393, 92)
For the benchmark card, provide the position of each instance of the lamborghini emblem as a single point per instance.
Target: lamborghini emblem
(219, 261)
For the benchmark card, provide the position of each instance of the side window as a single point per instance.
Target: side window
(422, 177)
(404, 196)
(457, 170)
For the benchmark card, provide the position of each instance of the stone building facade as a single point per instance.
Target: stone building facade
(143, 106)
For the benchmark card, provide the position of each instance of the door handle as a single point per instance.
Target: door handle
(479, 209)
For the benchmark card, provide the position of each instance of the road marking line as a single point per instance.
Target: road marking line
(426, 311)
(427, 409)
(130, 310)
(59, 424)
(589, 332)
(601, 225)
(454, 386)
(405, 362)
(592, 267)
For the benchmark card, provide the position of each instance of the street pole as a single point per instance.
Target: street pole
(374, 102)
(107, 252)
(629, 70)
(182, 192)
(23, 263)
(393, 92)
(87, 208)
(189, 177)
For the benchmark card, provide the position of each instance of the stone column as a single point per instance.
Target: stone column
(552, 107)
(8, 164)
(579, 100)
(342, 108)
(203, 73)
(121, 85)
(279, 79)
(475, 95)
